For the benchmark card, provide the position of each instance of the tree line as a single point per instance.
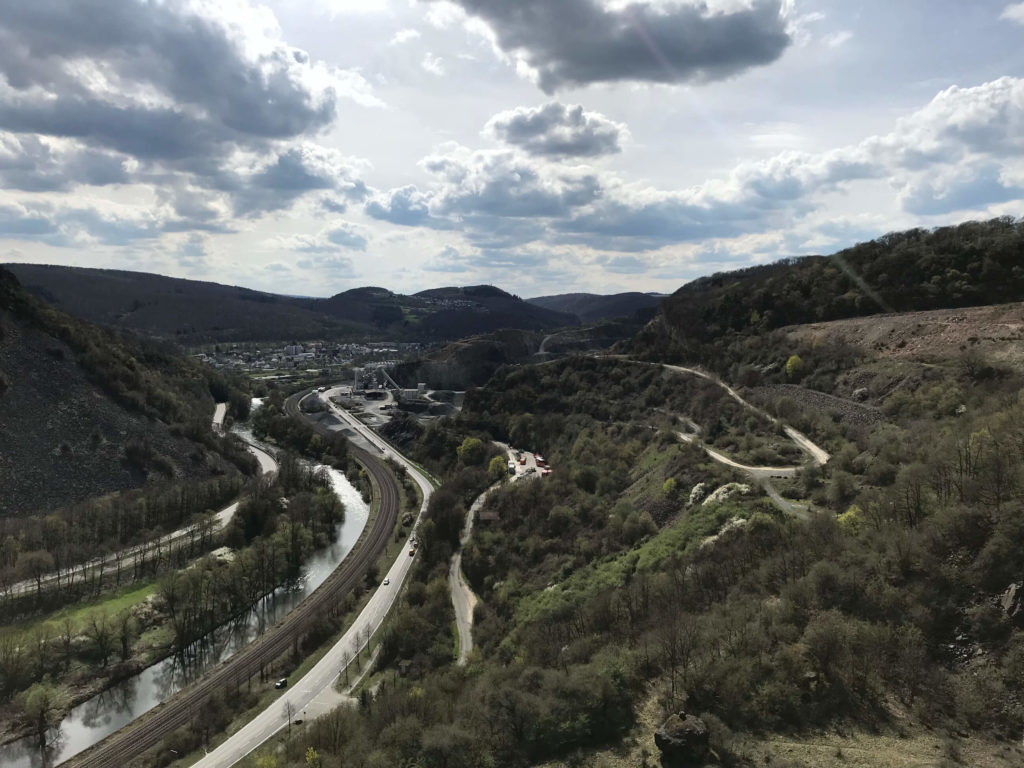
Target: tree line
(971, 264)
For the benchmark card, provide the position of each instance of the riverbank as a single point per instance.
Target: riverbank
(164, 671)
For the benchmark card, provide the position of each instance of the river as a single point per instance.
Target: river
(93, 720)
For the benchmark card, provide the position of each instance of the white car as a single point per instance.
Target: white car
(386, 582)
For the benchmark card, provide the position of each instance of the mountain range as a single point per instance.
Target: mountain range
(194, 312)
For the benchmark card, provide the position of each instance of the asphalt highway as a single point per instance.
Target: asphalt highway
(305, 697)
(146, 732)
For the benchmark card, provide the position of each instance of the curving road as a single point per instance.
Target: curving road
(314, 693)
(145, 733)
(762, 475)
(817, 454)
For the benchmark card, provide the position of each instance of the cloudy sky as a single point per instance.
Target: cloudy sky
(545, 146)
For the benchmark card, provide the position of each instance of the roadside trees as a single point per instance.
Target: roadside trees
(497, 469)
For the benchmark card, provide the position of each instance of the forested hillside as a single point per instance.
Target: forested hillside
(877, 616)
(192, 312)
(969, 264)
(85, 411)
(186, 311)
(590, 307)
(439, 314)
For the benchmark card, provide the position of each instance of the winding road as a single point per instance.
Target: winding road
(762, 475)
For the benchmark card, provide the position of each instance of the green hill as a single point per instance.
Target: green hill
(970, 264)
(85, 411)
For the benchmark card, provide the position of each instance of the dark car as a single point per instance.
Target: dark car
(282, 683)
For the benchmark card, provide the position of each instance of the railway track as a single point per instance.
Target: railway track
(120, 748)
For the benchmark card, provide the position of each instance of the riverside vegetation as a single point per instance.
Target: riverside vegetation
(276, 528)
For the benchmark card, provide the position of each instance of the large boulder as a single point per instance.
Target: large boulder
(1012, 603)
(725, 493)
(683, 741)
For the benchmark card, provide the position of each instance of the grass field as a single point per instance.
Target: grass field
(111, 604)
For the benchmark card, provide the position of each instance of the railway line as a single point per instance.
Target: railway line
(122, 747)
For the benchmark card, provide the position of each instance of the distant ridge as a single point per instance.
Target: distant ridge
(590, 307)
(195, 312)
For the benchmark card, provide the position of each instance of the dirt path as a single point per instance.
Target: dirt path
(817, 454)
(463, 598)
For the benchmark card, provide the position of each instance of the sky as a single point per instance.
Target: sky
(545, 146)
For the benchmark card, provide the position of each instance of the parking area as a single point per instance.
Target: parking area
(526, 463)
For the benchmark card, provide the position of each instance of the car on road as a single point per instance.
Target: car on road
(386, 582)
(282, 683)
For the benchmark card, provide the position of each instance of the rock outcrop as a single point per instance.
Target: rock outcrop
(697, 493)
(1012, 602)
(725, 492)
(683, 741)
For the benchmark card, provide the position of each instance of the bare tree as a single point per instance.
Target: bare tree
(127, 631)
(101, 632)
(67, 637)
(289, 712)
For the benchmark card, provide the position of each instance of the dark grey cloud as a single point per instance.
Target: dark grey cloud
(557, 130)
(343, 236)
(18, 223)
(579, 42)
(194, 59)
(496, 232)
(407, 207)
(108, 229)
(503, 184)
(500, 199)
(67, 226)
(276, 186)
(333, 205)
(29, 164)
(347, 236)
(190, 96)
(622, 224)
(283, 178)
